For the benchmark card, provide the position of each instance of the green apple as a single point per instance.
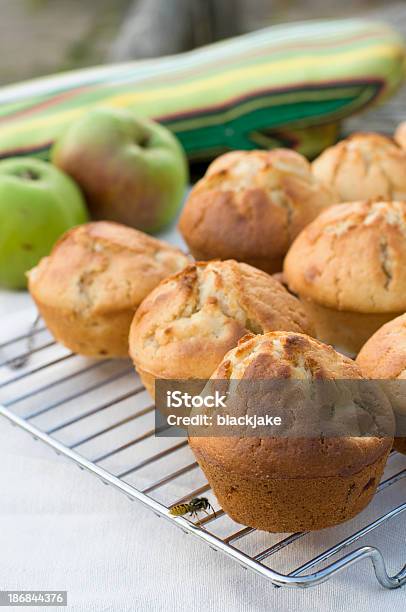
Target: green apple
(38, 203)
(131, 170)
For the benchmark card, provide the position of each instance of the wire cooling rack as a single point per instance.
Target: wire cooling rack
(98, 414)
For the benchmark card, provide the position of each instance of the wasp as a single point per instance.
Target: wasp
(197, 504)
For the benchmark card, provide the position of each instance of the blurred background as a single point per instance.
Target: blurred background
(38, 37)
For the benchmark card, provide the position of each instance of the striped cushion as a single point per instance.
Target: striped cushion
(284, 85)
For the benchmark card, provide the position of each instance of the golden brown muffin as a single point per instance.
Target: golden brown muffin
(287, 483)
(348, 267)
(250, 205)
(183, 329)
(384, 357)
(400, 135)
(90, 286)
(365, 166)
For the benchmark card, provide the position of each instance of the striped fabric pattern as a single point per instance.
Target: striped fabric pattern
(284, 85)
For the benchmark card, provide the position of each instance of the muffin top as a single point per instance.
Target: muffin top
(251, 204)
(102, 267)
(352, 257)
(186, 325)
(384, 355)
(364, 166)
(287, 355)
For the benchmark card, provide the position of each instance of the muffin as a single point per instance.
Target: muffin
(362, 167)
(250, 205)
(286, 483)
(384, 357)
(400, 135)
(348, 267)
(90, 286)
(183, 329)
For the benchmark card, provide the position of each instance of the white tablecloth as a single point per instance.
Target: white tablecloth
(62, 529)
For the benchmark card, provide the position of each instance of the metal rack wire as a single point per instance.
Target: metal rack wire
(98, 414)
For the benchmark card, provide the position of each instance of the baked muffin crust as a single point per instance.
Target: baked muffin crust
(250, 205)
(364, 166)
(351, 258)
(287, 355)
(90, 285)
(289, 484)
(384, 357)
(186, 325)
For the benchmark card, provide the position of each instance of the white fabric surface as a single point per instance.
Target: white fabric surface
(62, 529)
